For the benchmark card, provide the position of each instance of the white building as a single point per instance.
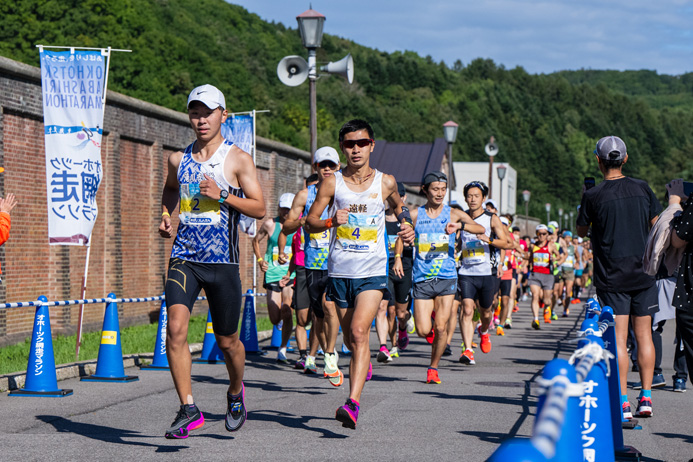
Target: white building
(505, 196)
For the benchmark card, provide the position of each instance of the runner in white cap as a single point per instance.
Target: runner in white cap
(214, 182)
(316, 248)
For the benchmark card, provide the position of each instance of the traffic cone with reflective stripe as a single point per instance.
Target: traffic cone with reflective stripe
(109, 364)
(211, 353)
(160, 361)
(41, 378)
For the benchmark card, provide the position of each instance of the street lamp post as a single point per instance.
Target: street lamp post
(491, 149)
(525, 196)
(560, 218)
(571, 220)
(310, 24)
(566, 224)
(450, 132)
(548, 212)
(501, 174)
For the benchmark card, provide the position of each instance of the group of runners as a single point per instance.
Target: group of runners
(343, 251)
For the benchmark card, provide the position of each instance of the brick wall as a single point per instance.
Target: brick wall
(127, 257)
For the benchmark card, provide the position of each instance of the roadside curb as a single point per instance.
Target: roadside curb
(16, 380)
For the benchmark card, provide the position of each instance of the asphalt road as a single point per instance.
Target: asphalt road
(291, 415)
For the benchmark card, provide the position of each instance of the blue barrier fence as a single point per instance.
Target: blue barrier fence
(579, 415)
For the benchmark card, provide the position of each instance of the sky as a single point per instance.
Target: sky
(540, 36)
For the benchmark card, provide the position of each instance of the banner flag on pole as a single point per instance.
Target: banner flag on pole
(72, 85)
(239, 129)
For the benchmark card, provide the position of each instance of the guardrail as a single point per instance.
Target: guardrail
(579, 415)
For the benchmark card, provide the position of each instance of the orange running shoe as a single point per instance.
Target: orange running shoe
(485, 341)
(500, 331)
(547, 316)
(432, 376)
(431, 336)
(467, 357)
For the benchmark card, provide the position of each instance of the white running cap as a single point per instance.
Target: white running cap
(286, 200)
(326, 153)
(209, 95)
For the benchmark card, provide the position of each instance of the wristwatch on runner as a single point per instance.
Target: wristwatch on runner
(224, 194)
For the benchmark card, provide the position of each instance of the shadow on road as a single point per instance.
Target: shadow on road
(293, 421)
(104, 433)
(265, 386)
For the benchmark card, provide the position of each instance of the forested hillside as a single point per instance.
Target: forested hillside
(546, 125)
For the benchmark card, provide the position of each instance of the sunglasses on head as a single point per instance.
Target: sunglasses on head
(362, 143)
(327, 163)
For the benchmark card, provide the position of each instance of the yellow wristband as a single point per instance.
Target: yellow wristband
(166, 214)
(398, 255)
(260, 260)
(407, 223)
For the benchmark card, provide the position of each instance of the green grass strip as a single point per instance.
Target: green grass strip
(134, 339)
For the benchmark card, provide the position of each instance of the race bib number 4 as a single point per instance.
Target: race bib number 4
(196, 209)
(473, 253)
(359, 234)
(433, 246)
(320, 240)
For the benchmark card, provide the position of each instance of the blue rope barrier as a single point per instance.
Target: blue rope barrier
(84, 302)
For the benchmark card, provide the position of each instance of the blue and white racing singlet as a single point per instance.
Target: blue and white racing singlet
(317, 245)
(208, 230)
(435, 249)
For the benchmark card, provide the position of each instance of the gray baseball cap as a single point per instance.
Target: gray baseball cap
(611, 148)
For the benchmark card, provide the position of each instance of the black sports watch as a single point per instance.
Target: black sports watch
(224, 194)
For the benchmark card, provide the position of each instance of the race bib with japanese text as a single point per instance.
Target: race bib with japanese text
(196, 209)
(359, 234)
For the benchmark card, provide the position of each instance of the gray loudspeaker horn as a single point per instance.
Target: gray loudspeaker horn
(343, 67)
(292, 70)
(491, 149)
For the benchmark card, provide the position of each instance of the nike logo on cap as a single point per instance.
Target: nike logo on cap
(200, 92)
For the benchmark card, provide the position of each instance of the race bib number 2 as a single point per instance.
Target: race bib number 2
(196, 209)
(359, 234)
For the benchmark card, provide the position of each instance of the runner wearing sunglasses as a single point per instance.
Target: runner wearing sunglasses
(316, 248)
(541, 279)
(357, 262)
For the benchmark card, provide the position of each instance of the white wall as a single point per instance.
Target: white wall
(466, 172)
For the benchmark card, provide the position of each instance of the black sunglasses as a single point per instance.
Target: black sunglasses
(362, 143)
(327, 163)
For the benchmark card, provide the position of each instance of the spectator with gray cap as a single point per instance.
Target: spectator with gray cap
(621, 211)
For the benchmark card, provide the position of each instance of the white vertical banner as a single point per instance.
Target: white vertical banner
(72, 85)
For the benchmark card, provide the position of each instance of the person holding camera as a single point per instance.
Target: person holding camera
(682, 237)
(621, 211)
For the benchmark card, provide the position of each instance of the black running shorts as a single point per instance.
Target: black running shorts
(222, 285)
(400, 288)
(301, 298)
(642, 302)
(481, 288)
(317, 285)
(505, 287)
